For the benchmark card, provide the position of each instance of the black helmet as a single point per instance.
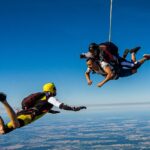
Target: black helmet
(93, 46)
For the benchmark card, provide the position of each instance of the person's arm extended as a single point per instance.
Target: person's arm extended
(86, 55)
(87, 76)
(60, 105)
(66, 107)
(108, 77)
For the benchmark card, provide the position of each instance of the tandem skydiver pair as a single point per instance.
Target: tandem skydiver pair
(104, 59)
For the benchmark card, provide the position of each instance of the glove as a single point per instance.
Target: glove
(82, 56)
(2, 97)
(78, 108)
(66, 107)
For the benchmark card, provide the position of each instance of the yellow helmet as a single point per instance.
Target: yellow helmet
(49, 87)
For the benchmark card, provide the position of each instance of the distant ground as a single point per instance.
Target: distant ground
(86, 130)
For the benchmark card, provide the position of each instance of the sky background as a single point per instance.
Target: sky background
(41, 40)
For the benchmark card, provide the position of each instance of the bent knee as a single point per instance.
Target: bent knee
(16, 124)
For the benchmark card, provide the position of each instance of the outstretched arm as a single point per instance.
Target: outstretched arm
(86, 55)
(60, 105)
(66, 107)
(108, 77)
(87, 76)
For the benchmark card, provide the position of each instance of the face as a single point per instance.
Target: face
(55, 92)
(91, 50)
(90, 64)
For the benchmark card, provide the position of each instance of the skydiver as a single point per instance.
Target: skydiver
(31, 113)
(108, 52)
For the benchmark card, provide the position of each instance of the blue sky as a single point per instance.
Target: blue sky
(41, 40)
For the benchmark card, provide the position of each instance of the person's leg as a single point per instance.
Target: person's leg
(138, 63)
(133, 58)
(126, 64)
(129, 72)
(145, 58)
(126, 72)
(2, 126)
(9, 110)
(133, 52)
(135, 64)
(125, 53)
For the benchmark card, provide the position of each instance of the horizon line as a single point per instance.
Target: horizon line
(118, 104)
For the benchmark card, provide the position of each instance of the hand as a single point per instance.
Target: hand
(82, 56)
(2, 97)
(89, 82)
(79, 108)
(100, 84)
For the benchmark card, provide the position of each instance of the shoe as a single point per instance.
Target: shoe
(125, 53)
(2, 97)
(147, 56)
(135, 50)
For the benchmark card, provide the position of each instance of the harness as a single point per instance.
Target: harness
(41, 106)
(110, 54)
(100, 68)
(114, 70)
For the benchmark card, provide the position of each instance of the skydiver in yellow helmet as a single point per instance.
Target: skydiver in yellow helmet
(34, 107)
(50, 87)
